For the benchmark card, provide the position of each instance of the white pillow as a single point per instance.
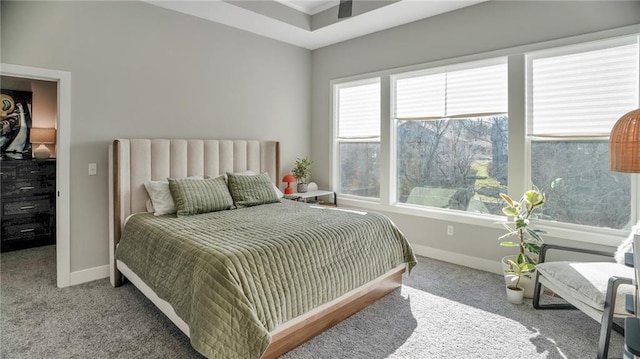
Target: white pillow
(161, 201)
(278, 192)
(160, 195)
(149, 205)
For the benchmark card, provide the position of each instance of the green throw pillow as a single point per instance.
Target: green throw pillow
(195, 196)
(251, 190)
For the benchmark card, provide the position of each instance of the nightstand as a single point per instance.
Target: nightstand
(312, 195)
(27, 203)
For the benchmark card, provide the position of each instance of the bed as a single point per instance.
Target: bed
(253, 281)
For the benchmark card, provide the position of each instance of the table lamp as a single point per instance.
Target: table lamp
(288, 178)
(43, 136)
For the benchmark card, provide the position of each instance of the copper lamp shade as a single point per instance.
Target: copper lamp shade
(288, 178)
(624, 144)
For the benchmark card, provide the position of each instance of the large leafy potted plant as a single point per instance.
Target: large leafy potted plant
(528, 240)
(301, 172)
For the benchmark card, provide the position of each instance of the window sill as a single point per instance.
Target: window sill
(577, 233)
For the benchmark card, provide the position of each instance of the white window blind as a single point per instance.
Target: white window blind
(583, 91)
(453, 93)
(359, 111)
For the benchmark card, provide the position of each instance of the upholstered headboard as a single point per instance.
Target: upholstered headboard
(133, 162)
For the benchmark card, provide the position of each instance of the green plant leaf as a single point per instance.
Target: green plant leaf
(507, 235)
(529, 260)
(534, 197)
(532, 247)
(509, 244)
(533, 234)
(521, 223)
(508, 227)
(511, 211)
(507, 199)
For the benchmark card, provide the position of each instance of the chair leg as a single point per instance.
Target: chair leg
(607, 316)
(537, 291)
(605, 333)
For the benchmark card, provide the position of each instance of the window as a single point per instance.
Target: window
(434, 140)
(576, 94)
(358, 138)
(451, 137)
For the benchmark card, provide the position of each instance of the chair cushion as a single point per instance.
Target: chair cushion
(587, 281)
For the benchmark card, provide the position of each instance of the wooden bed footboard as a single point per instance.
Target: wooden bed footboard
(307, 326)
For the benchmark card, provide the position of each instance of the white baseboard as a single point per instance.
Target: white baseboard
(87, 275)
(457, 258)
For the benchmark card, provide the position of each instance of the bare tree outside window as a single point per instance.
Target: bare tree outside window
(579, 186)
(360, 169)
(457, 164)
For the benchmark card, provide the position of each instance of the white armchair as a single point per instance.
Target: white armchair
(598, 289)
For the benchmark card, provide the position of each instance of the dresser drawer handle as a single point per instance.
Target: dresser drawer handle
(35, 172)
(26, 188)
(27, 207)
(27, 230)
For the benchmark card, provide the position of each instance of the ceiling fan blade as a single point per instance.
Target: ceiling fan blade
(344, 10)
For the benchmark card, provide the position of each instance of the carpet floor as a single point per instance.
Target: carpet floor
(442, 311)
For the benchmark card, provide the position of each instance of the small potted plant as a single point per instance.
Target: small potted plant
(529, 241)
(517, 269)
(301, 172)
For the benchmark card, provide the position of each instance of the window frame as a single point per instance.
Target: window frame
(393, 78)
(519, 158)
(336, 141)
(529, 57)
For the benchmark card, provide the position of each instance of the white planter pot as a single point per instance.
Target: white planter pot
(527, 282)
(515, 295)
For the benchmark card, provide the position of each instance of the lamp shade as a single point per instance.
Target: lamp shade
(43, 135)
(624, 143)
(288, 178)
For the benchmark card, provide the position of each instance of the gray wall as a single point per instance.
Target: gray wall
(481, 28)
(143, 71)
(138, 70)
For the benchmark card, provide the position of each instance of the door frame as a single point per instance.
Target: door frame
(63, 160)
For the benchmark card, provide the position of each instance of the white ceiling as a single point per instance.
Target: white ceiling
(310, 7)
(385, 17)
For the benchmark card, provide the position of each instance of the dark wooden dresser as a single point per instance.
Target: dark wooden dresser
(27, 202)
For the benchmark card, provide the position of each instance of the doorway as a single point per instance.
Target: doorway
(62, 79)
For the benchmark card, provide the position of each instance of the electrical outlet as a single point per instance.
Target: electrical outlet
(449, 230)
(93, 169)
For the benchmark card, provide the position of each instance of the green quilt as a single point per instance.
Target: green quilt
(234, 275)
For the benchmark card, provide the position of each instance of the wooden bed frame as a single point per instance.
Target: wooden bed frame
(129, 171)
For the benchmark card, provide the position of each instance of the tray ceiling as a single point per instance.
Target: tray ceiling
(312, 23)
